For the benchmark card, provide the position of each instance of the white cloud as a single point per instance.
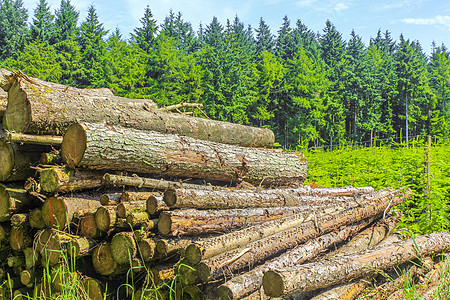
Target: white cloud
(341, 6)
(441, 21)
(328, 7)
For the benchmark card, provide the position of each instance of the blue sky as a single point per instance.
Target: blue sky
(422, 20)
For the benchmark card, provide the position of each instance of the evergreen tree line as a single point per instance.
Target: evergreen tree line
(309, 88)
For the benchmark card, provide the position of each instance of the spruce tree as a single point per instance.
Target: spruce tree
(145, 35)
(264, 38)
(13, 28)
(43, 27)
(66, 19)
(285, 44)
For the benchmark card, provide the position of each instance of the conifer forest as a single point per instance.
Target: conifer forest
(310, 88)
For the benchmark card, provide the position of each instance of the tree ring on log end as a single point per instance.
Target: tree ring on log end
(6, 160)
(59, 209)
(74, 145)
(193, 254)
(18, 112)
(151, 205)
(103, 261)
(5, 204)
(165, 223)
(204, 273)
(123, 247)
(102, 219)
(224, 293)
(273, 284)
(49, 180)
(170, 197)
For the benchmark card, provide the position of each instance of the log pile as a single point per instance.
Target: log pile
(127, 199)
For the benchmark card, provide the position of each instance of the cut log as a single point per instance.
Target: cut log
(88, 227)
(20, 238)
(80, 246)
(123, 247)
(167, 247)
(31, 257)
(39, 109)
(321, 221)
(155, 205)
(14, 164)
(12, 200)
(98, 146)
(110, 199)
(104, 263)
(51, 140)
(146, 248)
(137, 196)
(36, 220)
(51, 159)
(61, 180)
(105, 218)
(94, 288)
(20, 220)
(197, 222)
(50, 244)
(125, 208)
(303, 196)
(141, 218)
(27, 277)
(311, 276)
(58, 211)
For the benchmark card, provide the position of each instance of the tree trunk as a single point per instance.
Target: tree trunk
(197, 222)
(13, 200)
(319, 222)
(57, 211)
(160, 184)
(303, 196)
(97, 146)
(249, 282)
(21, 138)
(155, 205)
(61, 180)
(14, 164)
(39, 109)
(311, 276)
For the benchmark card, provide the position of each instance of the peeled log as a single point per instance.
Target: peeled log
(312, 276)
(98, 146)
(61, 180)
(12, 200)
(321, 221)
(64, 209)
(303, 196)
(197, 222)
(245, 284)
(40, 109)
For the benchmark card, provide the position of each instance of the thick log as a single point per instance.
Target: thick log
(104, 263)
(81, 246)
(14, 164)
(155, 205)
(224, 199)
(146, 248)
(325, 219)
(61, 180)
(123, 247)
(58, 211)
(13, 200)
(98, 146)
(105, 217)
(87, 226)
(35, 219)
(40, 109)
(160, 184)
(247, 283)
(50, 140)
(311, 276)
(125, 208)
(197, 222)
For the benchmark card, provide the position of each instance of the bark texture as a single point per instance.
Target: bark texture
(303, 196)
(14, 137)
(61, 180)
(98, 146)
(311, 276)
(37, 107)
(13, 200)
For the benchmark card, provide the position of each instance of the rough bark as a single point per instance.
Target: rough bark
(98, 146)
(303, 196)
(155, 205)
(197, 222)
(61, 180)
(3, 103)
(160, 184)
(136, 196)
(311, 276)
(51, 140)
(105, 217)
(13, 200)
(58, 211)
(40, 109)
(348, 291)
(327, 219)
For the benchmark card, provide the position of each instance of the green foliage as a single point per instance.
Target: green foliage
(13, 28)
(387, 166)
(145, 35)
(43, 27)
(66, 19)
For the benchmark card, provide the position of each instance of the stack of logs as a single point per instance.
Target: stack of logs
(128, 200)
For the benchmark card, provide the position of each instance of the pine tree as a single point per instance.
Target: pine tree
(285, 44)
(43, 27)
(13, 28)
(145, 35)
(213, 35)
(439, 70)
(175, 27)
(264, 38)
(66, 19)
(306, 39)
(93, 50)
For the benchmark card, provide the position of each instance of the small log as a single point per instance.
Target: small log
(245, 284)
(4, 232)
(15, 164)
(13, 200)
(167, 247)
(136, 219)
(58, 211)
(88, 227)
(125, 208)
(50, 244)
(123, 247)
(39, 109)
(225, 199)
(326, 219)
(97, 146)
(160, 184)
(20, 220)
(15, 261)
(104, 263)
(188, 274)
(155, 205)
(35, 219)
(51, 140)
(81, 246)
(31, 257)
(136, 196)
(146, 248)
(61, 180)
(51, 159)
(27, 277)
(322, 274)
(105, 218)
(19, 238)
(197, 222)
(94, 288)
(110, 199)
